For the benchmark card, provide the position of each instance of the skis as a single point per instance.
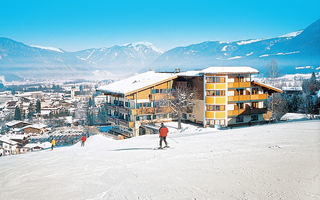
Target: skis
(164, 148)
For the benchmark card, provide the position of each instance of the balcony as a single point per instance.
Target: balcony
(149, 111)
(239, 85)
(119, 121)
(246, 111)
(126, 123)
(247, 97)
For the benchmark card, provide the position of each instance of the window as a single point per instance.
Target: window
(254, 117)
(137, 118)
(255, 104)
(241, 92)
(210, 92)
(215, 93)
(239, 119)
(215, 107)
(210, 108)
(240, 105)
(148, 117)
(241, 79)
(210, 79)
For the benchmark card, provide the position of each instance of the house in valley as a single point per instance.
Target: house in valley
(226, 96)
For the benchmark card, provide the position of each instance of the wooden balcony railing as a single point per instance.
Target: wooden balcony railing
(246, 111)
(248, 97)
(239, 84)
(144, 111)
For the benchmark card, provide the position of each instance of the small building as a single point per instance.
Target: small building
(35, 129)
(8, 145)
(292, 90)
(16, 124)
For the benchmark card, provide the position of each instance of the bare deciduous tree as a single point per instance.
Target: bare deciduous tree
(179, 100)
(278, 106)
(273, 71)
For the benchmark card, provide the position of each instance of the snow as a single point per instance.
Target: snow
(293, 34)
(36, 126)
(292, 88)
(275, 161)
(136, 82)
(42, 145)
(233, 69)
(147, 44)
(224, 48)
(235, 57)
(149, 78)
(45, 112)
(249, 54)
(264, 55)
(294, 76)
(268, 85)
(7, 139)
(248, 41)
(48, 48)
(12, 123)
(189, 73)
(293, 116)
(288, 53)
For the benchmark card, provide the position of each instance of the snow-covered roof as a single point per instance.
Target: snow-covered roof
(45, 112)
(41, 145)
(230, 70)
(268, 86)
(149, 78)
(292, 88)
(14, 122)
(7, 140)
(136, 82)
(189, 73)
(36, 126)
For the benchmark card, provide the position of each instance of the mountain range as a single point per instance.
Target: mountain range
(293, 52)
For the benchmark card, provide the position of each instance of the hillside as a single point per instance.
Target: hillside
(277, 161)
(291, 50)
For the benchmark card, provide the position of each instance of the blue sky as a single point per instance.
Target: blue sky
(79, 24)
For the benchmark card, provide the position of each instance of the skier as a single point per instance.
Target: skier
(83, 139)
(53, 143)
(163, 135)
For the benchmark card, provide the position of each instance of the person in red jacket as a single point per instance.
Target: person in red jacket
(83, 139)
(163, 135)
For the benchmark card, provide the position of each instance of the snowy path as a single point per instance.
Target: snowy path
(279, 161)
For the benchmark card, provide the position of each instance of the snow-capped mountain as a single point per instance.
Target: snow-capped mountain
(291, 50)
(34, 61)
(130, 55)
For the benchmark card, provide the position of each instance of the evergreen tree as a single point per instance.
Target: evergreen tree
(17, 113)
(91, 103)
(38, 106)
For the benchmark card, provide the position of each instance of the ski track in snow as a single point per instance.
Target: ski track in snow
(272, 161)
